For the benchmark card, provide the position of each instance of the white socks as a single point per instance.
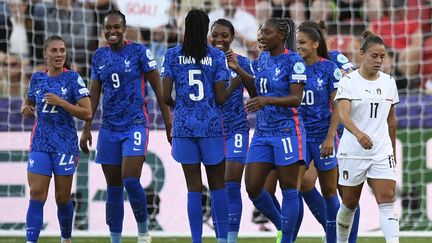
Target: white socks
(344, 220)
(389, 222)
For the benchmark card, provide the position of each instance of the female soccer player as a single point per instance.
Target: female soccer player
(319, 120)
(236, 126)
(366, 100)
(118, 70)
(279, 138)
(57, 95)
(199, 73)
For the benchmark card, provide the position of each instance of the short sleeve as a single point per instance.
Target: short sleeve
(94, 66)
(222, 73)
(80, 89)
(147, 61)
(31, 92)
(342, 62)
(334, 77)
(298, 71)
(166, 65)
(343, 91)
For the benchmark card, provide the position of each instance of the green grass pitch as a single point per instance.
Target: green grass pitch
(208, 240)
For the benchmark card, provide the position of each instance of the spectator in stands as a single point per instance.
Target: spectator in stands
(245, 24)
(15, 78)
(23, 36)
(405, 37)
(76, 24)
(296, 10)
(322, 10)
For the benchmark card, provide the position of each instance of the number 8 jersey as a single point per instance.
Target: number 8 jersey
(370, 105)
(121, 74)
(196, 113)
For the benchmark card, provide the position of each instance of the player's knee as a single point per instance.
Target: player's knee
(386, 196)
(307, 185)
(63, 197)
(253, 189)
(328, 191)
(351, 203)
(38, 194)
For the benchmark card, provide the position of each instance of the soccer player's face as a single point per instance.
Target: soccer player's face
(373, 57)
(221, 37)
(270, 37)
(114, 28)
(55, 54)
(306, 47)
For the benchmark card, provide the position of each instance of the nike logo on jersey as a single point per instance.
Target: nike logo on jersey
(237, 151)
(136, 149)
(100, 67)
(38, 91)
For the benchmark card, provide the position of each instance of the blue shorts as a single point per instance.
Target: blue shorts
(314, 153)
(209, 151)
(44, 163)
(112, 146)
(236, 147)
(278, 150)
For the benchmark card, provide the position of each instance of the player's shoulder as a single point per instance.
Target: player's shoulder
(292, 56)
(387, 78)
(101, 51)
(214, 52)
(336, 56)
(348, 78)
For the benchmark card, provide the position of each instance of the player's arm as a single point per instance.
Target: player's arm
(292, 100)
(247, 79)
(82, 110)
(328, 144)
(167, 83)
(344, 106)
(222, 94)
(95, 91)
(154, 78)
(392, 125)
(28, 108)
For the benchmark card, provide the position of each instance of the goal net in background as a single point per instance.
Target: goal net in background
(158, 24)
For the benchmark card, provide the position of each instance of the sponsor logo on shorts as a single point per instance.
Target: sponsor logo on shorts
(288, 158)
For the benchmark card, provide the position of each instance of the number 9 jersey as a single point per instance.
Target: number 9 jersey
(121, 73)
(196, 113)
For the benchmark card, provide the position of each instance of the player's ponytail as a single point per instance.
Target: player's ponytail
(368, 39)
(314, 31)
(195, 36)
(286, 26)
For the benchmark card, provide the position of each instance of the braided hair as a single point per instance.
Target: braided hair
(286, 26)
(195, 36)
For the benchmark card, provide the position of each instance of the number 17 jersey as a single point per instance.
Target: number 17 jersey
(196, 113)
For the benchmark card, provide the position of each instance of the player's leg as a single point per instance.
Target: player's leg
(134, 149)
(213, 157)
(109, 155)
(302, 170)
(352, 174)
(64, 168)
(355, 225)
(39, 170)
(186, 151)
(382, 180)
(236, 150)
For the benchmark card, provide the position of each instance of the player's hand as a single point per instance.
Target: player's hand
(256, 103)
(85, 137)
(232, 60)
(327, 147)
(168, 129)
(53, 99)
(364, 140)
(27, 111)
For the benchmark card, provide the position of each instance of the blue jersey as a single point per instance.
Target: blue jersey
(341, 61)
(196, 113)
(322, 79)
(54, 130)
(121, 73)
(233, 110)
(273, 76)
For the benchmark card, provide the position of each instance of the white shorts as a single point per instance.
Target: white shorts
(353, 172)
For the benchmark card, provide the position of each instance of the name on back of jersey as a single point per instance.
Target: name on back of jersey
(183, 60)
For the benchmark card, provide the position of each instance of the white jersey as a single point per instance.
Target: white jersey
(370, 105)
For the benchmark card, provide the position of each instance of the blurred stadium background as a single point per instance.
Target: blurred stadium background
(405, 25)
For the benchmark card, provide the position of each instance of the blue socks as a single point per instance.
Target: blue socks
(276, 203)
(65, 218)
(34, 220)
(235, 208)
(290, 211)
(332, 207)
(195, 215)
(219, 200)
(115, 212)
(355, 227)
(138, 202)
(264, 203)
(316, 205)
(300, 217)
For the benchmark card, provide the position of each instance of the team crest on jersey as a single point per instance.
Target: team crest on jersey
(277, 72)
(299, 68)
(345, 175)
(127, 66)
(378, 91)
(64, 91)
(320, 84)
(342, 58)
